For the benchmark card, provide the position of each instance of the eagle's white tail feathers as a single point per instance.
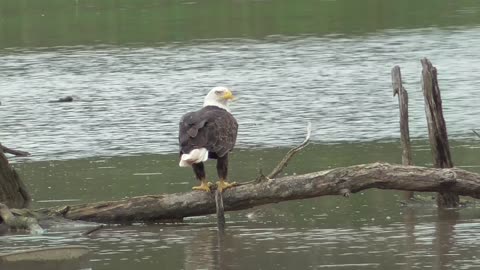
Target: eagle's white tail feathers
(195, 156)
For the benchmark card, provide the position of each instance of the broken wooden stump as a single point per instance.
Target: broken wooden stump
(437, 130)
(13, 192)
(402, 94)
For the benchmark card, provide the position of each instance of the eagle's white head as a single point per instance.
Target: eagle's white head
(219, 96)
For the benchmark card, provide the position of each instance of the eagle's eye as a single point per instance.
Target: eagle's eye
(218, 92)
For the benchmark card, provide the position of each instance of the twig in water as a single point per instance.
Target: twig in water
(290, 154)
(283, 163)
(87, 233)
(476, 133)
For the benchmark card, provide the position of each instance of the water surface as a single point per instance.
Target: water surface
(370, 230)
(130, 99)
(135, 67)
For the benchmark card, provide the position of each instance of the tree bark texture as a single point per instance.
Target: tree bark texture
(437, 129)
(339, 181)
(13, 192)
(403, 106)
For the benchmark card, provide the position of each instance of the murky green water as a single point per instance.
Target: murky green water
(135, 67)
(370, 230)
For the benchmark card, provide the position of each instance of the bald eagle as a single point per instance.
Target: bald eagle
(210, 132)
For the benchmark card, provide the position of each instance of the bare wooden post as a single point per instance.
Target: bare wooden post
(13, 192)
(404, 130)
(437, 130)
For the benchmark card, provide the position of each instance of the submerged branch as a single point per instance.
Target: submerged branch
(340, 181)
(18, 222)
(94, 229)
(476, 133)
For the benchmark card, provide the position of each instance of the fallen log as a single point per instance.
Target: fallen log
(338, 181)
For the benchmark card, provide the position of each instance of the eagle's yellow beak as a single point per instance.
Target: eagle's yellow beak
(228, 95)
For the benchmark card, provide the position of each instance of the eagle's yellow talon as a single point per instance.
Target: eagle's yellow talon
(222, 185)
(205, 186)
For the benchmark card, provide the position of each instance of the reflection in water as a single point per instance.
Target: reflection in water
(445, 238)
(201, 250)
(381, 243)
(409, 219)
(207, 250)
(221, 261)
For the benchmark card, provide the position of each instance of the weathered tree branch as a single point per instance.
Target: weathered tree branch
(339, 181)
(17, 153)
(284, 162)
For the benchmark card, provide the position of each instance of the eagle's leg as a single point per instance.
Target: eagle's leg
(199, 170)
(222, 170)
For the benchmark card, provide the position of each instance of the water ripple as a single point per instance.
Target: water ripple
(131, 98)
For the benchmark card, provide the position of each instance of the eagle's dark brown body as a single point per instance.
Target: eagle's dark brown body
(212, 128)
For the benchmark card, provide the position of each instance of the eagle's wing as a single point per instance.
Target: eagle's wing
(210, 128)
(222, 133)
